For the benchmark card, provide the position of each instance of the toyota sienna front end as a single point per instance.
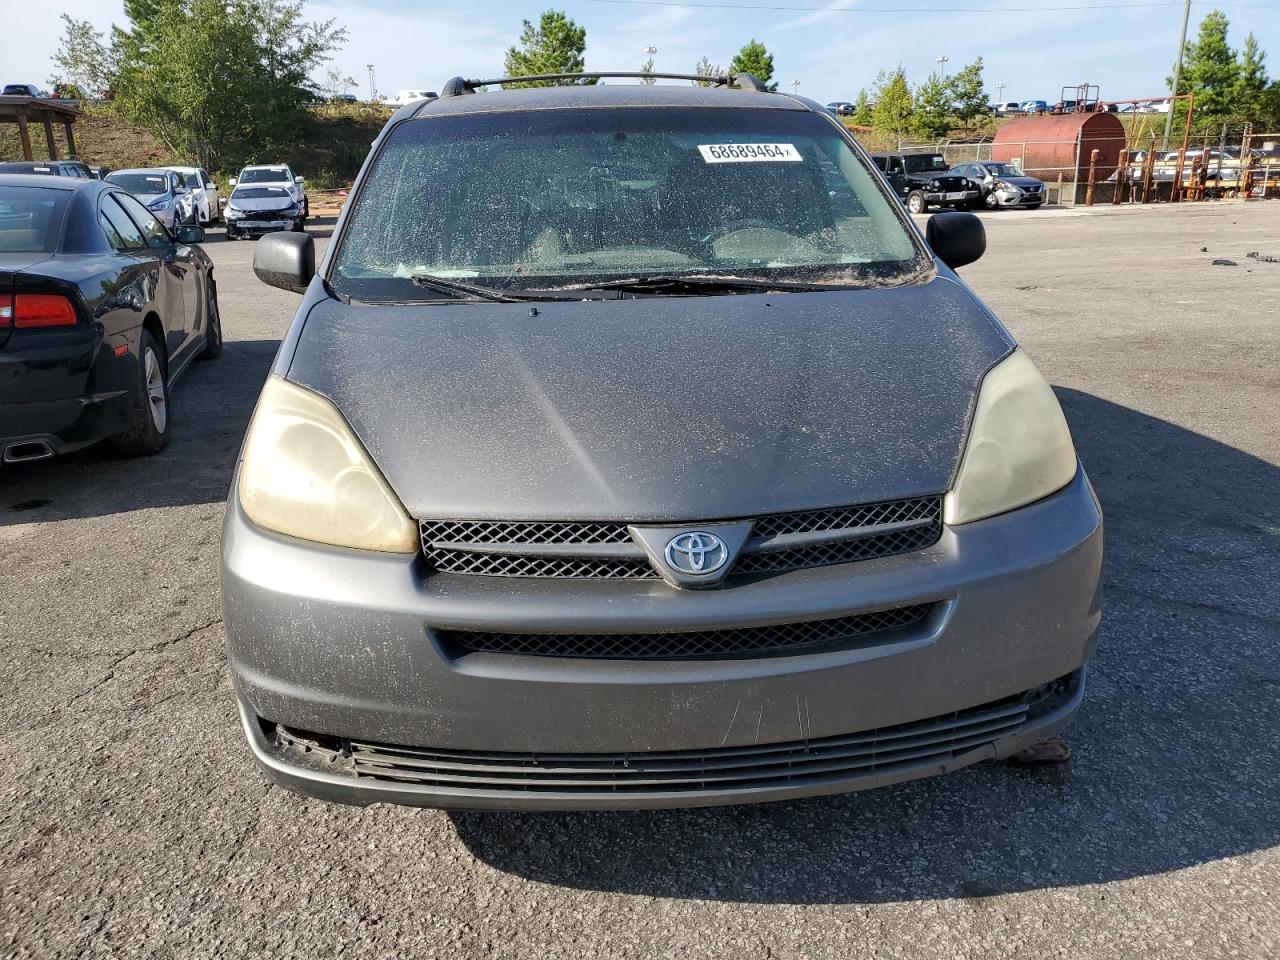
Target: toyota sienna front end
(631, 448)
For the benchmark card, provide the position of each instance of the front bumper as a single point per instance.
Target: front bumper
(343, 643)
(261, 225)
(1019, 198)
(948, 198)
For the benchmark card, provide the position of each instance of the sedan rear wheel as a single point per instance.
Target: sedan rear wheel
(213, 324)
(148, 429)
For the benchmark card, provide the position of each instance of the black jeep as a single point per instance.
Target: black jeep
(923, 180)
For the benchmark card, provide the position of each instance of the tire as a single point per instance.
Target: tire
(213, 324)
(306, 208)
(916, 202)
(991, 202)
(149, 420)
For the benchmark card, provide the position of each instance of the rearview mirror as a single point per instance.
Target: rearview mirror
(190, 233)
(956, 238)
(285, 260)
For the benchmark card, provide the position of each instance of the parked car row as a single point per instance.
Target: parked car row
(923, 180)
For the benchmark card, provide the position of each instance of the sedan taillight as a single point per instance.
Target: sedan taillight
(32, 311)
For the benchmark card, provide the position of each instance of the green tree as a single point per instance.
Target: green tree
(647, 68)
(555, 45)
(755, 60)
(221, 81)
(1251, 80)
(892, 114)
(931, 117)
(82, 61)
(704, 68)
(862, 109)
(968, 93)
(1210, 69)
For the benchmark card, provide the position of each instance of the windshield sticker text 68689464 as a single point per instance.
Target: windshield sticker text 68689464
(749, 153)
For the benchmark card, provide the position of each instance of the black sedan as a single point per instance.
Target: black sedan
(101, 309)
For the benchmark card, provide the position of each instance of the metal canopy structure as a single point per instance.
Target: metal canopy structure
(25, 111)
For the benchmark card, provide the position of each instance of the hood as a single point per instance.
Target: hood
(150, 198)
(266, 203)
(680, 408)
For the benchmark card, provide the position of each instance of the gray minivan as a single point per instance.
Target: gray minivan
(632, 448)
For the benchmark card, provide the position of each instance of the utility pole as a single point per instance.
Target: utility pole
(942, 63)
(1177, 71)
(999, 93)
(795, 87)
(373, 85)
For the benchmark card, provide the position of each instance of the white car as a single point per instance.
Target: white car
(204, 190)
(162, 191)
(405, 97)
(275, 175)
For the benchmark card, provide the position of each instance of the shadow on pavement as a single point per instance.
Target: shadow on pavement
(211, 405)
(1176, 757)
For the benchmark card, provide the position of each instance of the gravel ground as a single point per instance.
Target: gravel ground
(133, 824)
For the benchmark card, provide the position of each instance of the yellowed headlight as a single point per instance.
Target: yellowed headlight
(1019, 447)
(306, 475)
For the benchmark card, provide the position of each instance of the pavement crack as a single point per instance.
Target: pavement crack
(1194, 605)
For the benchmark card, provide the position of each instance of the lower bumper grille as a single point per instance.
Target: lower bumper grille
(795, 763)
(777, 640)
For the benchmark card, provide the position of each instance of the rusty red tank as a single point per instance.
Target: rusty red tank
(1047, 145)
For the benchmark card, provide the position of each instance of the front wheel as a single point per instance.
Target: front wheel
(991, 201)
(148, 430)
(916, 202)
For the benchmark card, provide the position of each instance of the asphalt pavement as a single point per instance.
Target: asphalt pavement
(133, 823)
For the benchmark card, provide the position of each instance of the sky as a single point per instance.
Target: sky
(834, 48)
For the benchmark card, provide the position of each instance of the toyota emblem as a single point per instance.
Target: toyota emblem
(696, 553)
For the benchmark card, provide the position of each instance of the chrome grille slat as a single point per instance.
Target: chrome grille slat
(787, 638)
(602, 550)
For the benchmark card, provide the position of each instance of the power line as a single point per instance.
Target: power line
(790, 8)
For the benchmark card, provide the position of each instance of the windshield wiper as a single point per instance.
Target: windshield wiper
(675, 283)
(459, 288)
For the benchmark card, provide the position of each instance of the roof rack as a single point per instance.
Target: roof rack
(740, 81)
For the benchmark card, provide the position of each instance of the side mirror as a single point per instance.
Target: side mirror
(285, 260)
(190, 233)
(222, 201)
(956, 238)
(233, 181)
(298, 180)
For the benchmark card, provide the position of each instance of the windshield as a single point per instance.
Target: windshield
(1003, 169)
(271, 175)
(261, 193)
(550, 198)
(924, 162)
(30, 218)
(140, 183)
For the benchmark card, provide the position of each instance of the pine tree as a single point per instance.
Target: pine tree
(755, 60)
(1251, 81)
(555, 45)
(932, 114)
(862, 109)
(892, 114)
(968, 93)
(1210, 69)
(704, 68)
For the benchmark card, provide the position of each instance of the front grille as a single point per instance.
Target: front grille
(795, 763)
(777, 640)
(603, 550)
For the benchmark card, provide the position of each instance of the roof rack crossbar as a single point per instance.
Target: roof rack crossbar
(743, 81)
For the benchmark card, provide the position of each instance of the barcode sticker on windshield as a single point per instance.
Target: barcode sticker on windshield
(749, 153)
